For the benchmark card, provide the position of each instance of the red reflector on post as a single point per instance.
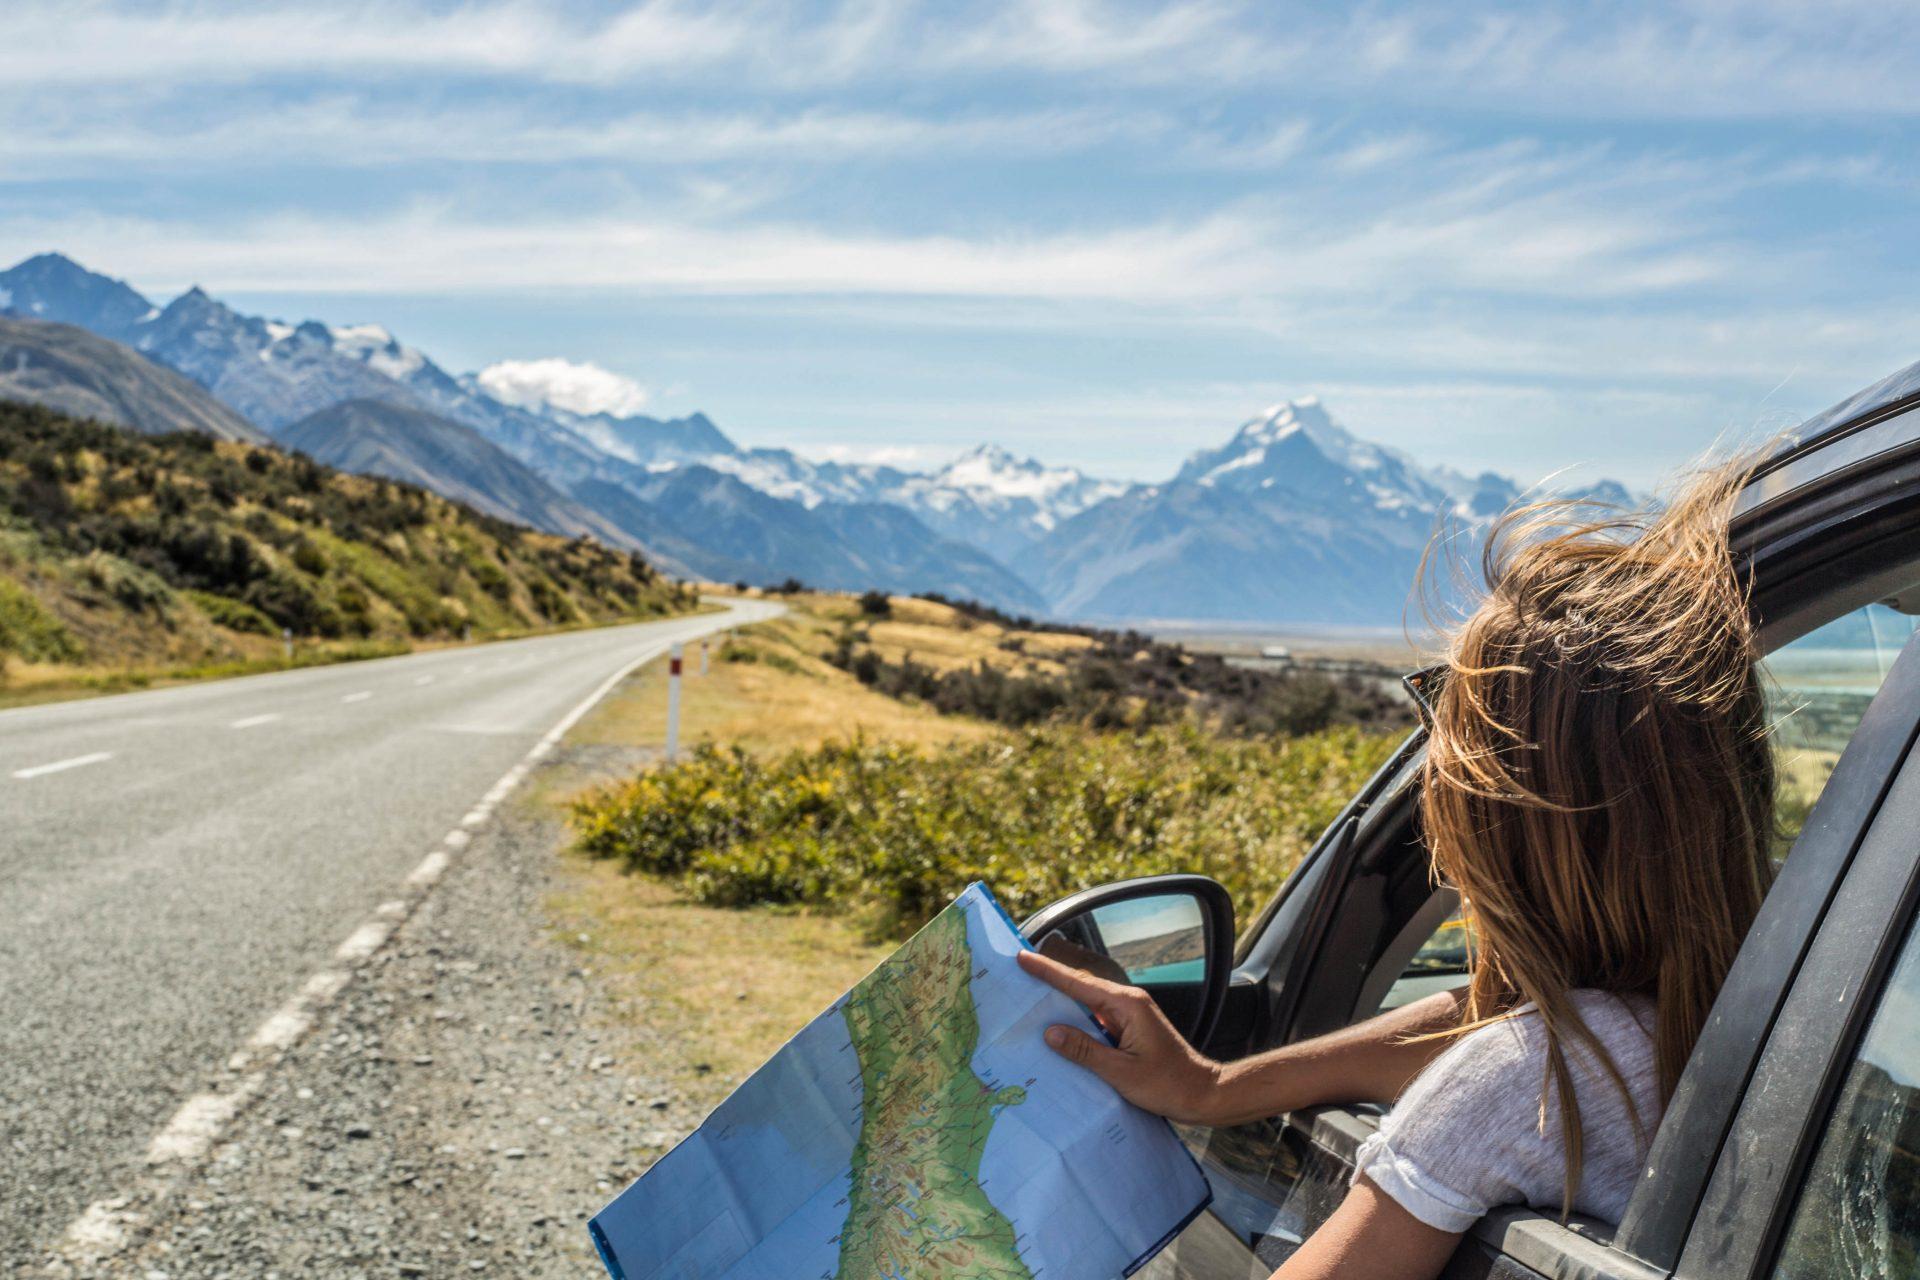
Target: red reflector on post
(673, 665)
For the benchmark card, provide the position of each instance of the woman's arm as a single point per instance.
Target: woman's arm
(1154, 1067)
(1370, 1237)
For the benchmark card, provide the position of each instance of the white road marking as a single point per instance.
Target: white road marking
(60, 766)
(108, 1226)
(248, 722)
(361, 696)
(423, 680)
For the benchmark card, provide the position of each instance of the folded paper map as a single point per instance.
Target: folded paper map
(917, 1130)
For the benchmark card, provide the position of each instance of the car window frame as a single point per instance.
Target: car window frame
(1785, 1108)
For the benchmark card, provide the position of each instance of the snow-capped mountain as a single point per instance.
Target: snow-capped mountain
(1292, 519)
(1296, 447)
(565, 471)
(1001, 503)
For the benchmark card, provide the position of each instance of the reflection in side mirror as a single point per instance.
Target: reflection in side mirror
(1155, 940)
(1171, 935)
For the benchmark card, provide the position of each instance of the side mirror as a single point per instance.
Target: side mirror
(1172, 936)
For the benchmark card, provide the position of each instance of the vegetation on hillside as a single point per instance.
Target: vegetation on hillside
(1037, 816)
(1148, 765)
(120, 549)
(1127, 680)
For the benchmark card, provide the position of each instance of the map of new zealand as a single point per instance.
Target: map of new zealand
(918, 1129)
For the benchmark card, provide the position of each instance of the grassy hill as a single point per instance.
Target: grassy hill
(126, 557)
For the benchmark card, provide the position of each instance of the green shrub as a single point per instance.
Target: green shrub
(309, 558)
(133, 587)
(1038, 816)
(28, 630)
(234, 615)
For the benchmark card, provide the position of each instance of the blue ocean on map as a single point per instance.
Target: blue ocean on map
(760, 1191)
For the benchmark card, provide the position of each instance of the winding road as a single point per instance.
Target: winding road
(174, 863)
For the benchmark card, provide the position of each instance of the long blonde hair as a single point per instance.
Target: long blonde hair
(1598, 785)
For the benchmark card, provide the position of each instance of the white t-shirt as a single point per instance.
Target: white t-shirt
(1466, 1136)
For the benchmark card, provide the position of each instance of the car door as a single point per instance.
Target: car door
(1361, 928)
(1819, 1174)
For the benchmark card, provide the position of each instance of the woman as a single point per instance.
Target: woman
(1598, 788)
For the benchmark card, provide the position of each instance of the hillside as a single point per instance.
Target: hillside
(120, 551)
(1292, 520)
(371, 437)
(76, 372)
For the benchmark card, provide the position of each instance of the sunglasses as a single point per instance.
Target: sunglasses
(1423, 686)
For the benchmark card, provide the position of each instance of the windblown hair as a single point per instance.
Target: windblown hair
(1598, 783)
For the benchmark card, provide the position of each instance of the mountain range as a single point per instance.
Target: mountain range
(1292, 520)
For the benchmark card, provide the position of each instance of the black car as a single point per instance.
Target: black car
(1792, 1145)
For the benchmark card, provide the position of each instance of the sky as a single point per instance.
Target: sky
(1521, 237)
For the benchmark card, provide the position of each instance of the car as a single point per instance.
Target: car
(1791, 1146)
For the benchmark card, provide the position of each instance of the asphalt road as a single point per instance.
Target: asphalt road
(174, 863)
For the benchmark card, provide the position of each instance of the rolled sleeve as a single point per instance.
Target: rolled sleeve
(1413, 1188)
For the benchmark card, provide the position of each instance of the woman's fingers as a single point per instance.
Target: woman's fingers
(1077, 1046)
(1097, 994)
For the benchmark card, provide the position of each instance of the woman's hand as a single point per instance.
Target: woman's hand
(1152, 1065)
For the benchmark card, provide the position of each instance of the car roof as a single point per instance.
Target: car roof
(1863, 427)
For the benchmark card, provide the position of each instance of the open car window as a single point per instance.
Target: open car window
(1817, 689)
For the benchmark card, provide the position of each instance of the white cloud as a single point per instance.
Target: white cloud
(563, 384)
(58, 135)
(1629, 60)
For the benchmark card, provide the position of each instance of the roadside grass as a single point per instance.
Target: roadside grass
(785, 871)
(680, 966)
(727, 986)
(29, 684)
(33, 683)
(768, 689)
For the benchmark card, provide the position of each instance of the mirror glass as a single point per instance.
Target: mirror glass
(1158, 939)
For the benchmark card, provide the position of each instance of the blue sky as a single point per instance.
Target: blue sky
(1513, 236)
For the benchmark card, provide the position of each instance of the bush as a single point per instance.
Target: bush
(224, 611)
(29, 631)
(875, 604)
(129, 585)
(309, 558)
(864, 825)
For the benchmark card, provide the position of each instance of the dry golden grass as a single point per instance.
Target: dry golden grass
(678, 966)
(942, 637)
(789, 696)
(729, 986)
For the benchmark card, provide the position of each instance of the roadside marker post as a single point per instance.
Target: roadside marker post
(286, 642)
(703, 657)
(673, 703)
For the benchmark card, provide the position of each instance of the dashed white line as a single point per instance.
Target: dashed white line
(248, 722)
(108, 1226)
(61, 766)
(423, 680)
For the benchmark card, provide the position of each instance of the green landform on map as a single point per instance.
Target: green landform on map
(917, 1210)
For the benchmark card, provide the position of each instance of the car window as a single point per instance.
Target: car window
(1439, 965)
(1817, 688)
(1859, 1209)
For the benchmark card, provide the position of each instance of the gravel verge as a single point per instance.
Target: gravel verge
(463, 1108)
